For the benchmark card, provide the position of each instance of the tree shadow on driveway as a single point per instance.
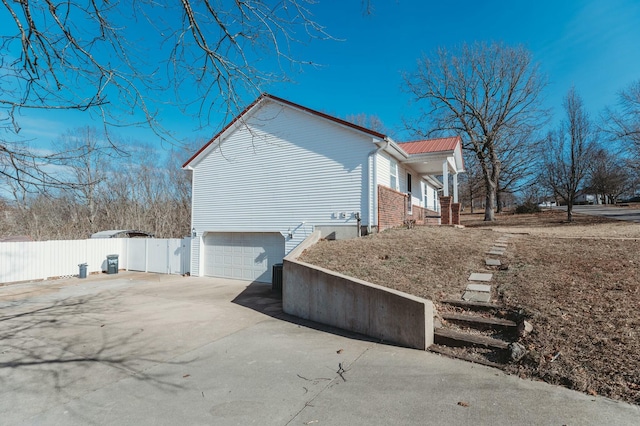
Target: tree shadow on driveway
(260, 297)
(57, 349)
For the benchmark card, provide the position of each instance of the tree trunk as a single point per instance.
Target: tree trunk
(491, 176)
(489, 210)
(570, 211)
(471, 195)
(499, 201)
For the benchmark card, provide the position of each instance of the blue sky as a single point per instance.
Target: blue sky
(592, 44)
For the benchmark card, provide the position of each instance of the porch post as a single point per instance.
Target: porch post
(455, 187)
(455, 213)
(445, 178)
(445, 210)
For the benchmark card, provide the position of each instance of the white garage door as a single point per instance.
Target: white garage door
(242, 256)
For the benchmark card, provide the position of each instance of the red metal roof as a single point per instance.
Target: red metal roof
(430, 145)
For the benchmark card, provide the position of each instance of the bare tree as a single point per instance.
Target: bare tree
(144, 190)
(520, 166)
(471, 183)
(489, 94)
(372, 122)
(609, 175)
(31, 169)
(570, 149)
(86, 165)
(624, 123)
(90, 56)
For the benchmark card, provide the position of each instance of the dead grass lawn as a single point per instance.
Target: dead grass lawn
(578, 283)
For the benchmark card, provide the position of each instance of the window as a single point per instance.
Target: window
(409, 183)
(425, 193)
(393, 172)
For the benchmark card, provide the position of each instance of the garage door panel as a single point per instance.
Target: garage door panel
(246, 256)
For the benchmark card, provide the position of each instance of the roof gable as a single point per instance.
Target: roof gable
(402, 151)
(265, 97)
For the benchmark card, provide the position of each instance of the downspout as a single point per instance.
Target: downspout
(373, 184)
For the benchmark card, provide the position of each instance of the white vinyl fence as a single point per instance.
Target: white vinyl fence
(37, 260)
(164, 256)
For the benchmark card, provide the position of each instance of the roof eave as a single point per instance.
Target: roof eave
(435, 182)
(188, 165)
(426, 155)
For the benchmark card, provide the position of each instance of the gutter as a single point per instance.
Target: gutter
(401, 152)
(373, 182)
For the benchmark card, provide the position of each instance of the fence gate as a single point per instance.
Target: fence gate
(164, 256)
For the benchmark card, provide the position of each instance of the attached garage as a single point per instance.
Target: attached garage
(242, 255)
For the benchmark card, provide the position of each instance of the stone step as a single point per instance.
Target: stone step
(456, 338)
(495, 252)
(476, 296)
(480, 276)
(443, 350)
(479, 287)
(481, 322)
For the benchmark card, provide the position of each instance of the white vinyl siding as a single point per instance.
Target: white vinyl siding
(259, 181)
(422, 192)
(284, 171)
(195, 256)
(383, 170)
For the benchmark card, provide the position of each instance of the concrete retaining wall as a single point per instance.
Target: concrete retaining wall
(334, 299)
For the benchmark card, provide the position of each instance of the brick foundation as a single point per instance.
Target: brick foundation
(424, 216)
(392, 210)
(445, 210)
(455, 213)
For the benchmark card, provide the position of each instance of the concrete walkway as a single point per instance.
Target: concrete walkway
(145, 349)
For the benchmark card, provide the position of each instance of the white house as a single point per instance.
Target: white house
(280, 170)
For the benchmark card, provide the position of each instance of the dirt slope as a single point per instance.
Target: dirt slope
(579, 284)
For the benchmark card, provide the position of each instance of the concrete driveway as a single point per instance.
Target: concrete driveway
(613, 212)
(145, 349)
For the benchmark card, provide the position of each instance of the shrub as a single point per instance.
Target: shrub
(528, 207)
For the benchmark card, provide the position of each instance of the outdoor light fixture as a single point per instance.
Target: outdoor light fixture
(193, 233)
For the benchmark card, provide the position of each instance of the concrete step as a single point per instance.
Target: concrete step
(476, 296)
(474, 306)
(446, 351)
(479, 322)
(443, 336)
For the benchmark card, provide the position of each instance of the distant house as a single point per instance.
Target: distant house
(586, 197)
(547, 203)
(280, 170)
